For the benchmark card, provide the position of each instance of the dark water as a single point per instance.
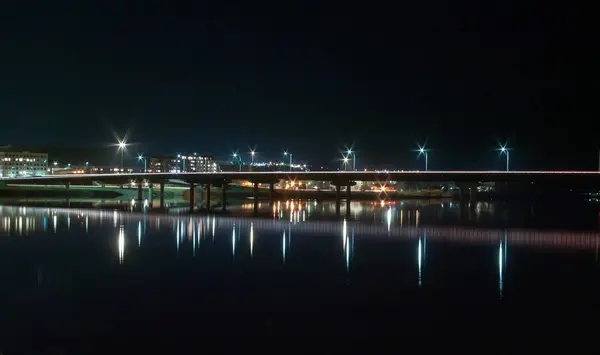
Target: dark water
(71, 277)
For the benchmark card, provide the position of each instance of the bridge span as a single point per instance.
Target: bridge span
(342, 177)
(466, 180)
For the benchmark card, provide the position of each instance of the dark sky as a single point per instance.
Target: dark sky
(213, 78)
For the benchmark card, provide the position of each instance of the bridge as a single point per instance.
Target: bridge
(341, 177)
(465, 180)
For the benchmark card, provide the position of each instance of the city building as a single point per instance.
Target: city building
(183, 163)
(162, 164)
(15, 162)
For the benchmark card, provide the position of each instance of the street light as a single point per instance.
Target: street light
(290, 154)
(141, 157)
(235, 155)
(252, 153)
(504, 150)
(350, 152)
(424, 151)
(122, 146)
(345, 163)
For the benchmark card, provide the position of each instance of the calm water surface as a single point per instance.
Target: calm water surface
(298, 268)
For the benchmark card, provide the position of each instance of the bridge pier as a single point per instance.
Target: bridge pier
(140, 192)
(224, 196)
(161, 194)
(208, 197)
(68, 185)
(192, 193)
(271, 192)
(348, 199)
(338, 199)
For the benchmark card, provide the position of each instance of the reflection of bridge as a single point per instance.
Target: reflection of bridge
(535, 238)
(466, 180)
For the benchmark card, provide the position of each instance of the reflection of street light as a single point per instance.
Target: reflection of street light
(141, 157)
(504, 150)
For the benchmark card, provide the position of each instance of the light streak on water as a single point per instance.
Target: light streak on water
(121, 243)
(177, 235)
(389, 219)
(251, 239)
(233, 241)
(419, 258)
(500, 270)
(283, 249)
(213, 228)
(139, 233)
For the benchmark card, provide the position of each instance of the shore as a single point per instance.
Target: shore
(116, 192)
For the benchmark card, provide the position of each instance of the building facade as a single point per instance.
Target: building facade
(183, 163)
(161, 164)
(22, 163)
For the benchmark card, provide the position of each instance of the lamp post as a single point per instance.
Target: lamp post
(252, 153)
(345, 160)
(235, 155)
(350, 152)
(141, 157)
(504, 150)
(122, 146)
(290, 154)
(425, 152)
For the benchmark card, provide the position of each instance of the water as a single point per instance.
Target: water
(409, 268)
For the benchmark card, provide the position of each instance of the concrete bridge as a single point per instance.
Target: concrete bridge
(466, 180)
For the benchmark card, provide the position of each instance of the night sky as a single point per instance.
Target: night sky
(212, 78)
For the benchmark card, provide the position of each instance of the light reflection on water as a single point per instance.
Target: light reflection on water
(393, 249)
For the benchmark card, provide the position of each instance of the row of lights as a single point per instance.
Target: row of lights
(422, 151)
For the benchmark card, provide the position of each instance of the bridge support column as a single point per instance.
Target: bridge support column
(140, 192)
(271, 192)
(348, 199)
(161, 194)
(192, 193)
(208, 196)
(255, 194)
(338, 199)
(224, 196)
(68, 185)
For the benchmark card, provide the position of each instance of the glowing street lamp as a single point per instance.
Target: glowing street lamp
(424, 152)
(252, 153)
(236, 156)
(290, 154)
(122, 145)
(350, 152)
(141, 157)
(345, 160)
(504, 150)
